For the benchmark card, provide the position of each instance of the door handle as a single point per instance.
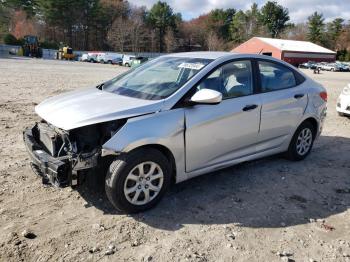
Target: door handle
(249, 107)
(298, 96)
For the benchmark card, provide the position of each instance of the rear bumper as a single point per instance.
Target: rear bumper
(54, 171)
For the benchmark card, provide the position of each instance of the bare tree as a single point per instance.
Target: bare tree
(343, 41)
(137, 29)
(214, 43)
(21, 25)
(119, 33)
(296, 32)
(170, 41)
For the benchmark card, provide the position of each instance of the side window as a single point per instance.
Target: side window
(275, 77)
(232, 80)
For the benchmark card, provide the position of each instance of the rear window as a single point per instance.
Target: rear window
(275, 77)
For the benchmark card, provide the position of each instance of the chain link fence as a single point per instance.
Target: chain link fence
(8, 50)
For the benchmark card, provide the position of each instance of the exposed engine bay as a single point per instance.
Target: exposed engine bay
(63, 157)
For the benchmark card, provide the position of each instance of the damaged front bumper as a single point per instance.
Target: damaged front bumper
(58, 171)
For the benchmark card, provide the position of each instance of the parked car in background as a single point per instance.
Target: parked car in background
(84, 58)
(99, 57)
(93, 58)
(330, 67)
(138, 61)
(89, 57)
(77, 57)
(308, 65)
(127, 60)
(320, 65)
(343, 67)
(343, 103)
(177, 117)
(304, 65)
(116, 61)
(108, 58)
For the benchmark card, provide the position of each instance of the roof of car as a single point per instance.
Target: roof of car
(213, 55)
(203, 54)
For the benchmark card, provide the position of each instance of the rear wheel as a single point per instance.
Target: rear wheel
(302, 142)
(137, 181)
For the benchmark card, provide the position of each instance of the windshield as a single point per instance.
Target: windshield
(156, 79)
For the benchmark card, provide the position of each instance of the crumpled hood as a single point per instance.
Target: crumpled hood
(91, 106)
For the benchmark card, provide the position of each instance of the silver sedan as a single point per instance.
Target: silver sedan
(174, 118)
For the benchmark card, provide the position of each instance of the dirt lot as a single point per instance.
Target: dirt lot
(266, 210)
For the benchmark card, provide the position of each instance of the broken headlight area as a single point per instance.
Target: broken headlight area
(64, 158)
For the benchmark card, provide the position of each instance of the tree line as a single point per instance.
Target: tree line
(122, 27)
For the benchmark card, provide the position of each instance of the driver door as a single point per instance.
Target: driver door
(219, 133)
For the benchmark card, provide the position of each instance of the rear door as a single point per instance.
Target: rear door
(283, 103)
(219, 133)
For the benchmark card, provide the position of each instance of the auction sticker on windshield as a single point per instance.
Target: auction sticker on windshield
(195, 66)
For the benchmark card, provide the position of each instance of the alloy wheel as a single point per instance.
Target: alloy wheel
(143, 183)
(304, 141)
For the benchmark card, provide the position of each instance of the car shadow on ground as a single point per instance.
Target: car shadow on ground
(271, 192)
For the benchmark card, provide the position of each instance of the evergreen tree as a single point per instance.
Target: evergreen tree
(219, 21)
(29, 6)
(335, 28)
(238, 27)
(275, 18)
(253, 21)
(316, 28)
(4, 21)
(63, 14)
(161, 17)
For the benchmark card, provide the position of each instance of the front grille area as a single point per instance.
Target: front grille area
(50, 140)
(52, 170)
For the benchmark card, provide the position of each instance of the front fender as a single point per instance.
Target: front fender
(165, 128)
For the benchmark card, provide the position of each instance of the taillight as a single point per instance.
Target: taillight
(324, 96)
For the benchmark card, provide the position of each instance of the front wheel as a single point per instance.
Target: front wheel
(137, 181)
(302, 142)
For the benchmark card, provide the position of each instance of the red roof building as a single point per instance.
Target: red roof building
(291, 51)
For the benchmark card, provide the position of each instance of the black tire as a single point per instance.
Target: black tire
(127, 65)
(119, 170)
(292, 153)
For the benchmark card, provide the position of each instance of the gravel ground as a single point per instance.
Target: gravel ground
(265, 210)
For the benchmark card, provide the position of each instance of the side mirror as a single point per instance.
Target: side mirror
(206, 96)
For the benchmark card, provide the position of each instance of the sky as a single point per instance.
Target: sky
(299, 10)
